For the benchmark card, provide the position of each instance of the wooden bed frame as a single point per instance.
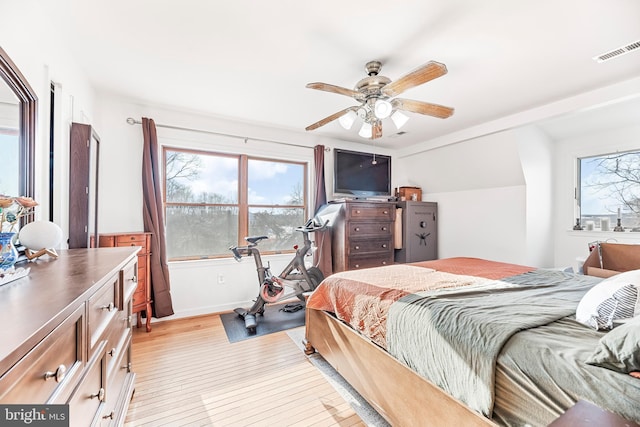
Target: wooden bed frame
(400, 395)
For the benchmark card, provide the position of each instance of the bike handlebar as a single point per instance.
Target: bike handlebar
(309, 227)
(236, 253)
(312, 226)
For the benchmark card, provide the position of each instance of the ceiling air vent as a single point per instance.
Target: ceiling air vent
(617, 52)
(395, 135)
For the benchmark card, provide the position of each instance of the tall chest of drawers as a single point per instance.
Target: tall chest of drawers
(142, 297)
(70, 335)
(363, 235)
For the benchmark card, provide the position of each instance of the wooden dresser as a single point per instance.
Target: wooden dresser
(363, 235)
(66, 335)
(142, 297)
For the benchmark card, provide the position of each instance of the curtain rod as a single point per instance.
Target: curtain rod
(133, 121)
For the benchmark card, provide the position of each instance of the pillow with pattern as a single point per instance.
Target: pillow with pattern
(612, 299)
(619, 350)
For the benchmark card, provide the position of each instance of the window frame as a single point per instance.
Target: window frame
(578, 190)
(243, 204)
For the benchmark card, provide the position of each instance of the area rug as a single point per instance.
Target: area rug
(273, 320)
(367, 414)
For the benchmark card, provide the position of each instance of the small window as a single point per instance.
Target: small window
(213, 201)
(609, 191)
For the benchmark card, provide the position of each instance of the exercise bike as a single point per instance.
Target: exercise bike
(295, 276)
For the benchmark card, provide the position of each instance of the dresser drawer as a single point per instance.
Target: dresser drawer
(131, 240)
(117, 334)
(139, 298)
(88, 399)
(365, 246)
(142, 264)
(378, 229)
(129, 277)
(51, 368)
(102, 308)
(370, 211)
(116, 378)
(356, 263)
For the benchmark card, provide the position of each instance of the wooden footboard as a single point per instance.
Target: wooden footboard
(400, 395)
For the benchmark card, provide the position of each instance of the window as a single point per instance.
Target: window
(213, 201)
(610, 189)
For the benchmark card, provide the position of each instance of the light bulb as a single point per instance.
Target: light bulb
(366, 130)
(399, 119)
(346, 120)
(382, 109)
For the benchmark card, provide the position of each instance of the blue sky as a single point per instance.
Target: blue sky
(269, 182)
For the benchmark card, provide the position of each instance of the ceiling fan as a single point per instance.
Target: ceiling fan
(377, 97)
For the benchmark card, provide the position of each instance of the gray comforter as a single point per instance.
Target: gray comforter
(465, 328)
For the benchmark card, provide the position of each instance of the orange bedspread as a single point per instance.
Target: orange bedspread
(362, 298)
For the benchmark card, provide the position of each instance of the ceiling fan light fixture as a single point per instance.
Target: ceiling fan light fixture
(366, 131)
(399, 119)
(382, 108)
(346, 121)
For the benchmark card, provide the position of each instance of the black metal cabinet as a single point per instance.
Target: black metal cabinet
(419, 232)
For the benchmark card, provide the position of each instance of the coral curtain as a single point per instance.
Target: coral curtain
(153, 216)
(322, 256)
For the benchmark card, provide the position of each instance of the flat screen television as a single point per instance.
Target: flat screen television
(361, 174)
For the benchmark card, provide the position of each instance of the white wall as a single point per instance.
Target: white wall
(481, 193)
(536, 157)
(482, 223)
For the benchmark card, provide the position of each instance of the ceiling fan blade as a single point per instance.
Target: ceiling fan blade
(429, 71)
(334, 89)
(376, 130)
(329, 119)
(420, 107)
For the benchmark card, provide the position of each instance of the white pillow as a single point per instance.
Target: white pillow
(612, 299)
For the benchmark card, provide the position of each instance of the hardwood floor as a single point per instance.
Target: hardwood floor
(188, 374)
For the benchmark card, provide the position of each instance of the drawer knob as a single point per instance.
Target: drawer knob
(357, 247)
(112, 352)
(109, 416)
(99, 395)
(384, 262)
(357, 228)
(357, 265)
(385, 212)
(134, 279)
(384, 228)
(384, 245)
(108, 307)
(58, 375)
(357, 211)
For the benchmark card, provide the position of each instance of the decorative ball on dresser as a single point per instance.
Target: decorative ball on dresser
(40, 238)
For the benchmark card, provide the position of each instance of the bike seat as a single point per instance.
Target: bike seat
(255, 239)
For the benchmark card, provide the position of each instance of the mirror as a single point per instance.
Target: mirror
(9, 141)
(18, 105)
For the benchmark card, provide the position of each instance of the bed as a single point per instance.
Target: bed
(466, 341)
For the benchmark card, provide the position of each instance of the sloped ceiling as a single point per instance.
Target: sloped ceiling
(250, 60)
